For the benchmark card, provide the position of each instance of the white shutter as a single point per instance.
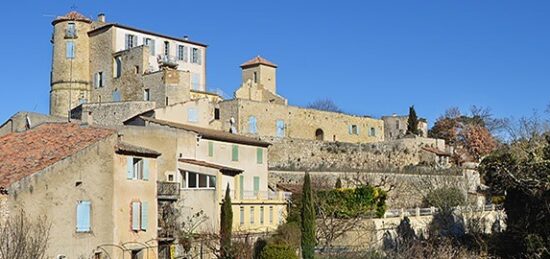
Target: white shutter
(136, 210)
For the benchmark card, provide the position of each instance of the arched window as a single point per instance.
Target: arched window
(319, 134)
(252, 127)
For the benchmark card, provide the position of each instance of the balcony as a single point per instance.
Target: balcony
(167, 61)
(271, 196)
(168, 191)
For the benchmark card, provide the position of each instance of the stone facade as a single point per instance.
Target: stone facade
(111, 113)
(20, 121)
(395, 127)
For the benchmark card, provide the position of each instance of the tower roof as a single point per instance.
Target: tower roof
(71, 16)
(258, 61)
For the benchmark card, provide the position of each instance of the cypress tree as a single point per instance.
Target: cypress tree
(308, 220)
(226, 226)
(412, 123)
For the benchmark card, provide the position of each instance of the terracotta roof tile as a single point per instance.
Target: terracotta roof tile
(72, 16)
(23, 154)
(258, 60)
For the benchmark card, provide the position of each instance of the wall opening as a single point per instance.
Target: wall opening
(319, 135)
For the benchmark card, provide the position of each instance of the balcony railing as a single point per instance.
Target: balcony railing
(168, 190)
(264, 195)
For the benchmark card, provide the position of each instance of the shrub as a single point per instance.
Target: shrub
(445, 198)
(364, 200)
(278, 251)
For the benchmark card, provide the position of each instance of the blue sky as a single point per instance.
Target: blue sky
(371, 57)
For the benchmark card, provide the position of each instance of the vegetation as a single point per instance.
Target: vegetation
(308, 220)
(278, 251)
(226, 225)
(21, 237)
(324, 105)
(361, 201)
(445, 198)
(412, 122)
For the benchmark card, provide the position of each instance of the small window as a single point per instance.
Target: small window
(235, 153)
(211, 181)
(146, 95)
(70, 32)
(252, 127)
(99, 79)
(255, 77)
(83, 215)
(241, 215)
(252, 215)
(262, 215)
(353, 130)
(270, 214)
(372, 132)
(216, 113)
(136, 70)
(192, 115)
(118, 67)
(256, 185)
(280, 128)
(181, 52)
(131, 41)
(70, 50)
(116, 95)
(138, 168)
(396, 124)
(191, 180)
(166, 48)
(166, 103)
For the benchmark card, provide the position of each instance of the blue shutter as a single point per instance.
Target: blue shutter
(135, 215)
(280, 128)
(130, 167)
(252, 128)
(192, 115)
(145, 169)
(126, 41)
(70, 49)
(349, 129)
(358, 130)
(144, 215)
(199, 56)
(83, 216)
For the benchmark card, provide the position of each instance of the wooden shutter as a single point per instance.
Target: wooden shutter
(130, 167)
(135, 215)
(210, 148)
(350, 130)
(256, 185)
(145, 169)
(126, 41)
(144, 215)
(252, 128)
(235, 153)
(83, 210)
(259, 155)
(241, 186)
(199, 56)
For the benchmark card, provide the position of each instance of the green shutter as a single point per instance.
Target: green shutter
(241, 186)
(256, 185)
(235, 153)
(210, 148)
(130, 167)
(260, 155)
(144, 215)
(145, 169)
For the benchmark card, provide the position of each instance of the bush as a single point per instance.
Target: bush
(445, 198)
(278, 251)
(364, 200)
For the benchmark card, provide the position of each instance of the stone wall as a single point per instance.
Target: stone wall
(110, 114)
(301, 123)
(296, 154)
(395, 127)
(18, 122)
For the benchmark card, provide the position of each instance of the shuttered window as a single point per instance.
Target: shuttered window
(70, 52)
(259, 155)
(280, 125)
(210, 148)
(256, 185)
(136, 210)
(241, 186)
(83, 211)
(151, 44)
(252, 128)
(144, 215)
(235, 153)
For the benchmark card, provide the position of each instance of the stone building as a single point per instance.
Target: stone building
(395, 126)
(97, 61)
(258, 110)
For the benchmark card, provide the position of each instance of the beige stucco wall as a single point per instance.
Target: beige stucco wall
(300, 123)
(70, 79)
(396, 126)
(179, 113)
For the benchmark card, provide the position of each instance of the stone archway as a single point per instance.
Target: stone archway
(319, 134)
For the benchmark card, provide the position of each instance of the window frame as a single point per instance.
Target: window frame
(89, 229)
(211, 181)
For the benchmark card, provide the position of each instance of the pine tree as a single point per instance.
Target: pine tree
(226, 225)
(308, 220)
(412, 123)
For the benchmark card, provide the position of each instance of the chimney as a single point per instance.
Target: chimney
(185, 37)
(101, 17)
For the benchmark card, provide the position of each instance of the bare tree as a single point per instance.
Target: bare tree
(21, 237)
(324, 105)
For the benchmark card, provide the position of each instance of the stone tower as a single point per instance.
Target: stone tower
(259, 82)
(70, 78)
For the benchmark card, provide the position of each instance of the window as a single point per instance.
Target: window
(259, 155)
(252, 128)
(255, 77)
(181, 55)
(196, 56)
(191, 180)
(70, 49)
(262, 215)
(241, 217)
(270, 214)
(251, 214)
(83, 215)
(146, 95)
(138, 168)
(131, 41)
(241, 186)
(256, 185)
(353, 130)
(235, 153)
(192, 115)
(280, 125)
(216, 113)
(372, 132)
(98, 79)
(136, 70)
(116, 95)
(151, 44)
(195, 81)
(396, 124)
(140, 215)
(166, 48)
(166, 103)
(70, 32)
(118, 67)
(210, 148)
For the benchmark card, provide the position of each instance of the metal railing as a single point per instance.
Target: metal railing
(262, 195)
(416, 212)
(168, 190)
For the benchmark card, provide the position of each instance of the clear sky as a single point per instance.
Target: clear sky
(370, 57)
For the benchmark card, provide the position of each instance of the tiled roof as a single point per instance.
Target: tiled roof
(210, 133)
(221, 168)
(23, 154)
(72, 16)
(125, 148)
(256, 61)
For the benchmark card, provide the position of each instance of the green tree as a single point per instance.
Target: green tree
(308, 220)
(412, 122)
(278, 251)
(226, 225)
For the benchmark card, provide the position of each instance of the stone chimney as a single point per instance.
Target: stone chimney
(101, 17)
